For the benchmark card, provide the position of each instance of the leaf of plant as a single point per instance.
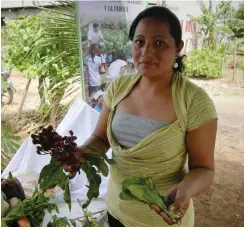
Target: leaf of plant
(92, 148)
(73, 223)
(9, 143)
(126, 195)
(102, 167)
(3, 223)
(109, 160)
(52, 175)
(58, 222)
(32, 207)
(94, 182)
(67, 198)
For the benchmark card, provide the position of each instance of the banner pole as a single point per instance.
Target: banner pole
(83, 89)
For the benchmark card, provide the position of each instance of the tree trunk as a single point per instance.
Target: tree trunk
(41, 82)
(56, 108)
(234, 66)
(54, 112)
(211, 41)
(23, 99)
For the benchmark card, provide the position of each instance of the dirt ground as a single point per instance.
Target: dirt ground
(222, 204)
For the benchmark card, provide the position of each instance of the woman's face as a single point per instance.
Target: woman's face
(153, 48)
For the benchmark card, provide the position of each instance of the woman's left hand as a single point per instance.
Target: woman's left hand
(181, 197)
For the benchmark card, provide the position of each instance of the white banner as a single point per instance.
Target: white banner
(105, 46)
(109, 11)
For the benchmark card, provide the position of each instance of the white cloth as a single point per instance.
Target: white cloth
(92, 67)
(95, 37)
(97, 94)
(103, 57)
(114, 69)
(27, 164)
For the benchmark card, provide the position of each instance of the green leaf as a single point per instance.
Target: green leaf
(94, 182)
(126, 195)
(3, 223)
(143, 189)
(73, 223)
(32, 207)
(9, 145)
(58, 222)
(67, 198)
(102, 167)
(4, 85)
(52, 175)
(97, 151)
(109, 160)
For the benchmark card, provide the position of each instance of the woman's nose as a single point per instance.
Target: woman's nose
(148, 48)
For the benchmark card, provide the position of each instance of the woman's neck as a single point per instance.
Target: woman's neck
(157, 84)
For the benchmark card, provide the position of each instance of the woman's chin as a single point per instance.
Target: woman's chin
(147, 71)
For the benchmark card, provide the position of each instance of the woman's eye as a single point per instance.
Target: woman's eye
(138, 42)
(159, 42)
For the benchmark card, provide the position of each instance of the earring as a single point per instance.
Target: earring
(175, 65)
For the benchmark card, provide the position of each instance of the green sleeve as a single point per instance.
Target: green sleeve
(201, 111)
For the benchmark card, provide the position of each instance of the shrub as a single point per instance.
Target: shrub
(203, 63)
(241, 63)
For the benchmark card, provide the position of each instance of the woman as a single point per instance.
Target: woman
(154, 121)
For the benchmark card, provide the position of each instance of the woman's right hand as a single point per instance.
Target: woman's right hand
(73, 164)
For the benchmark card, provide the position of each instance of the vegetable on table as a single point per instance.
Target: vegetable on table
(62, 149)
(4, 205)
(22, 221)
(30, 211)
(13, 201)
(143, 189)
(12, 187)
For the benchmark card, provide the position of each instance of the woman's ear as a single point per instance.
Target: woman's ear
(179, 48)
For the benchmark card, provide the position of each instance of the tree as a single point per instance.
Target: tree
(118, 40)
(46, 45)
(239, 14)
(215, 23)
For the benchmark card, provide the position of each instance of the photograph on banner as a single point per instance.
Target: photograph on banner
(105, 46)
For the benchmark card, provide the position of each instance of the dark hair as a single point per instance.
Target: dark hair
(93, 47)
(121, 55)
(95, 25)
(164, 14)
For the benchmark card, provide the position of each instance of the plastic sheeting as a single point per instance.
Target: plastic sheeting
(27, 164)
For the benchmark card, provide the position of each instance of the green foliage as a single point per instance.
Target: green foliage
(240, 47)
(45, 45)
(9, 145)
(203, 63)
(241, 63)
(239, 14)
(60, 222)
(116, 37)
(217, 24)
(4, 85)
(33, 207)
(52, 175)
(143, 189)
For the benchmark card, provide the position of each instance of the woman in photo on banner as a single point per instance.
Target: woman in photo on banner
(155, 121)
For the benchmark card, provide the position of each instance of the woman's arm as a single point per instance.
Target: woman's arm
(99, 137)
(200, 146)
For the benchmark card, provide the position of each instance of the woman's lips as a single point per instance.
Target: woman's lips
(147, 63)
